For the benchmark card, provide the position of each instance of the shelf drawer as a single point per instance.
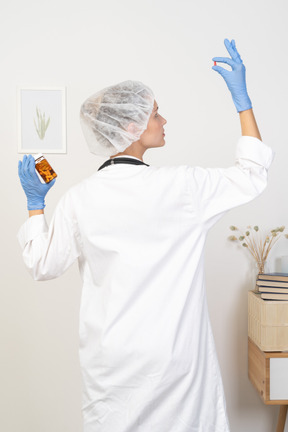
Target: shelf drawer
(268, 372)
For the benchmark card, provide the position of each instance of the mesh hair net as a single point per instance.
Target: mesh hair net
(116, 116)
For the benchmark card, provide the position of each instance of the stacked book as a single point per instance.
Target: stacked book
(273, 286)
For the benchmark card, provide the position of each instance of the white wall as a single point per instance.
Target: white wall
(168, 45)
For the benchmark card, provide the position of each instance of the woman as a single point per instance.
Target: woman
(146, 347)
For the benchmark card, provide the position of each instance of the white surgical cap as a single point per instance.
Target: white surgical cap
(116, 116)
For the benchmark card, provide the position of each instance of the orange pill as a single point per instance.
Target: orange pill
(215, 64)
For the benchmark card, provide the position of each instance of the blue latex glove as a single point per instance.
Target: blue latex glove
(234, 79)
(35, 190)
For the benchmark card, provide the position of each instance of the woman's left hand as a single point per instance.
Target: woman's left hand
(35, 190)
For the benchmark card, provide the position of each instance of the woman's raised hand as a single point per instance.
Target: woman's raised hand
(236, 78)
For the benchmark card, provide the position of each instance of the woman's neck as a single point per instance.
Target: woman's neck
(133, 150)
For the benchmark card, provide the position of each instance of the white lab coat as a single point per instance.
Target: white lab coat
(147, 353)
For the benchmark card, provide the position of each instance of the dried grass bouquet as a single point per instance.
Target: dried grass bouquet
(258, 245)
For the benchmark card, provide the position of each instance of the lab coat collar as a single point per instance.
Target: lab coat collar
(128, 156)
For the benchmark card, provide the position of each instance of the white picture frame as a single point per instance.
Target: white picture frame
(41, 119)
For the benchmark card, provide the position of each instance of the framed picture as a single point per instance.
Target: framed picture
(42, 120)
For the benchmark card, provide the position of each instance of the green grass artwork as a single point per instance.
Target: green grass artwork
(42, 124)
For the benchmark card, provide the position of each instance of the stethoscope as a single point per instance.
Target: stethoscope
(121, 160)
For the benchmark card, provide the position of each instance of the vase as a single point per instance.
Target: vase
(261, 268)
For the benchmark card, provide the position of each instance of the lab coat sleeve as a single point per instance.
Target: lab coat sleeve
(49, 251)
(217, 190)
